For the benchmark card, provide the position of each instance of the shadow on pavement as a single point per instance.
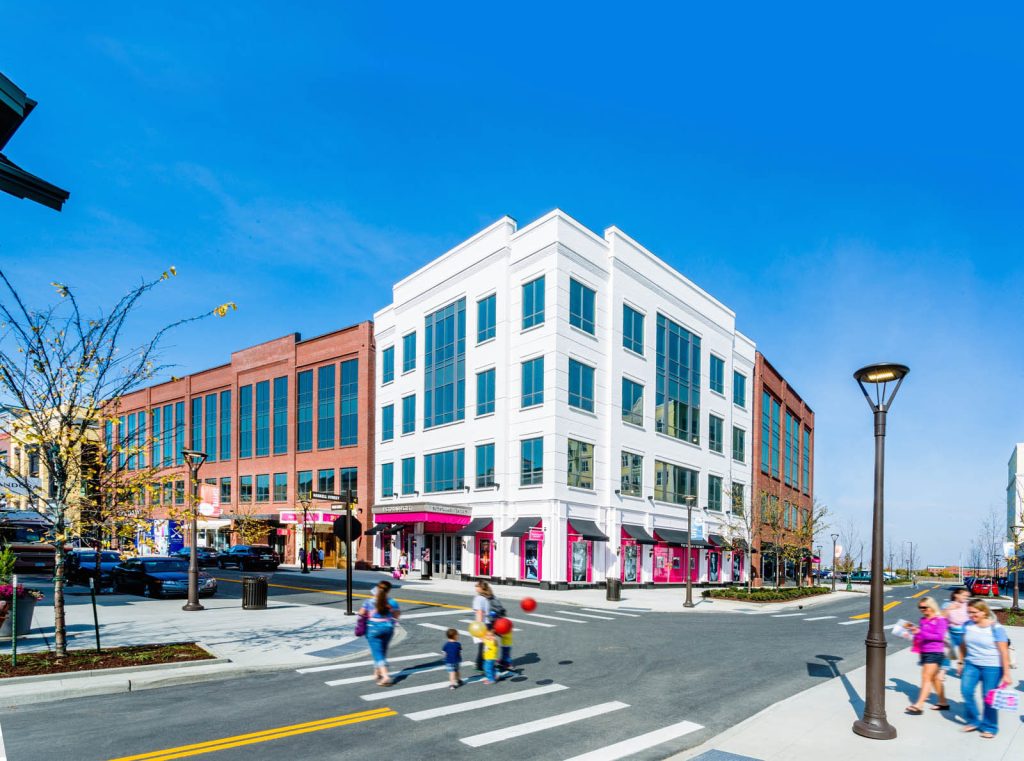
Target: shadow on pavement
(855, 700)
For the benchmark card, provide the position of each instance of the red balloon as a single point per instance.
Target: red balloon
(502, 626)
(528, 604)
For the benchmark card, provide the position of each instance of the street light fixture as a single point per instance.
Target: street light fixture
(690, 499)
(873, 724)
(818, 579)
(194, 459)
(835, 538)
(304, 503)
(995, 576)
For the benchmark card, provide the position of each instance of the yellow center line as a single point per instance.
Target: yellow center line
(355, 594)
(183, 751)
(887, 606)
(924, 592)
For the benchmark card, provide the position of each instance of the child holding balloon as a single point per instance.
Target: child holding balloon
(490, 657)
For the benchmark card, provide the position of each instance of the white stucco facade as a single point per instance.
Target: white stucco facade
(500, 260)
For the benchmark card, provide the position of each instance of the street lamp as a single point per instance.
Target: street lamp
(304, 502)
(194, 459)
(817, 581)
(835, 538)
(873, 724)
(690, 499)
(995, 576)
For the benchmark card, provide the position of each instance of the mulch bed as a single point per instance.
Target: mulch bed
(1009, 618)
(88, 660)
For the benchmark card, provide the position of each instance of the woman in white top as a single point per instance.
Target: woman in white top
(984, 660)
(481, 612)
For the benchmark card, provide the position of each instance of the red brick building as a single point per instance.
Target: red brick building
(783, 473)
(281, 419)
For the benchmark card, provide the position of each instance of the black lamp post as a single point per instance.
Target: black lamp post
(194, 459)
(835, 537)
(690, 499)
(817, 581)
(873, 724)
(304, 503)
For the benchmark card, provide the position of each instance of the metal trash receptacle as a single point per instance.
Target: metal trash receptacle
(613, 590)
(254, 592)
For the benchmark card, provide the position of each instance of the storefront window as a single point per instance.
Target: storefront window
(630, 564)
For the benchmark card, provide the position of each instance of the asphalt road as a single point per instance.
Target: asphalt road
(607, 679)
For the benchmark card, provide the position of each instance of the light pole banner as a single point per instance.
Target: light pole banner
(209, 500)
(839, 551)
(1007, 549)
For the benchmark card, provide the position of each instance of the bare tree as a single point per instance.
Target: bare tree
(740, 522)
(811, 524)
(991, 539)
(852, 540)
(772, 523)
(60, 368)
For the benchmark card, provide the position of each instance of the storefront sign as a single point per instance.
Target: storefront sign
(312, 517)
(16, 488)
(698, 532)
(425, 507)
(536, 534)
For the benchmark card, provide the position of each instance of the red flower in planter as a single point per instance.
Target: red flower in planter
(7, 592)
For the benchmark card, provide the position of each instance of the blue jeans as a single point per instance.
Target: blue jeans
(378, 637)
(489, 670)
(989, 677)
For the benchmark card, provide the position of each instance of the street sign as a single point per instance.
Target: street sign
(354, 526)
(328, 496)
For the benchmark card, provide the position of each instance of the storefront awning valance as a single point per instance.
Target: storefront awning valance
(254, 517)
(718, 540)
(639, 533)
(678, 538)
(380, 528)
(521, 527)
(477, 524)
(213, 524)
(739, 544)
(587, 529)
(423, 512)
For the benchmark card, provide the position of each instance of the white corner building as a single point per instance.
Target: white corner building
(549, 403)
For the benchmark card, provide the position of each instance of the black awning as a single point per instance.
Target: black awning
(521, 527)
(739, 544)
(639, 533)
(477, 524)
(588, 530)
(379, 528)
(718, 540)
(678, 538)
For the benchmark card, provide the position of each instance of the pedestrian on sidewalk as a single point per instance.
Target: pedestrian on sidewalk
(955, 612)
(403, 564)
(320, 558)
(381, 616)
(505, 656)
(453, 658)
(311, 559)
(490, 656)
(482, 613)
(985, 660)
(930, 642)
(302, 557)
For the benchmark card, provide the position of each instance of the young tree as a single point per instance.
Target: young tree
(60, 369)
(740, 522)
(813, 523)
(772, 524)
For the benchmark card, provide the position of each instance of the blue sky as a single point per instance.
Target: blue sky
(847, 181)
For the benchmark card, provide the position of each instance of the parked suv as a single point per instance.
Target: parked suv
(80, 565)
(249, 557)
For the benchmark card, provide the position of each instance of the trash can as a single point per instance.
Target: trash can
(254, 592)
(613, 590)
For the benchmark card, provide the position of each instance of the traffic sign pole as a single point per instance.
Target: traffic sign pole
(346, 534)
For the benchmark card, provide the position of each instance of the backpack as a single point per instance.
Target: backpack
(497, 610)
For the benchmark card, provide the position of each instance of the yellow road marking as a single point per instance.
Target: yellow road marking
(183, 751)
(354, 594)
(887, 606)
(924, 592)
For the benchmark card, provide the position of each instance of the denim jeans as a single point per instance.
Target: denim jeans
(378, 637)
(489, 670)
(988, 677)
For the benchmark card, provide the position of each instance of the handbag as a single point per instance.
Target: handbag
(360, 630)
(1002, 699)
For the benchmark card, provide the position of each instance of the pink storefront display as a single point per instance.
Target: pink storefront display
(633, 542)
(581, 535)
(531, 555)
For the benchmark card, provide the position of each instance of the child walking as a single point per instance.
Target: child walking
(505, 658)
(453, 658)
(490, 655)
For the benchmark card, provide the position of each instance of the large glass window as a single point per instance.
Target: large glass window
(387, 422)
(533, 303)
(444, 363)
(408, 475)
(211, 428)
(581, 464)
(348, 478)
(485, 392)
(776, 423)
(245, 488)
(715, 433)
(409, 352)
(581, 306)
(739, 389)
(140, 440)
(738, 506)
(387, 479)
(739, 444)
(388, 362)
(262, 418)
(632, 329)
(325, 407)
(263, 487)
(303, 484)
(794, 448)
(766, 431)
(179, 432)
(156, 453)
(486, 318)
(245, 421)
(533, 382)
(715, 493)
(169, 433)
(632, 402)
(325, 480)
(531, 455)
(281, 415)
(409, 413)
(674, 483)
(717, 374)
(581, 386)
(280, 487)
(632, 479)
(195, 425)
(225, 490)
(484, 465)
(788, 441)
(806, 482)
(677, 399)
(444, 471)
(304, 412)
(225, 425)
(349, 412)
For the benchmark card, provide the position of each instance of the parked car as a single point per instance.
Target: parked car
(80, 566)
(250, 557)
(206, 556)
(158, 576)
(984, 585)
(860, 577)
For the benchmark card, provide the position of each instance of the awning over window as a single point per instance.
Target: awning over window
(380, 528)
(739, 544)
(477, 524)
(521, 527)
(717, 540)
(677, 538)
(639, 534)
(587, 529)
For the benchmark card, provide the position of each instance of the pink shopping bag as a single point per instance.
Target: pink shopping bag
(1002, 699)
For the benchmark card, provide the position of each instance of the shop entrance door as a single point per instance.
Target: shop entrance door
(445, 555)
(660, 575)
(677, 556)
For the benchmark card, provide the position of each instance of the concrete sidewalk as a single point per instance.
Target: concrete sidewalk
(817, 723)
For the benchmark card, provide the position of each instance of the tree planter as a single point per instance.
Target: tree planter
(25, 608)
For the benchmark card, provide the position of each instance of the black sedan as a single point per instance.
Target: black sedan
(204, 555)
(159, 576)
(250, 557)
(80, 566)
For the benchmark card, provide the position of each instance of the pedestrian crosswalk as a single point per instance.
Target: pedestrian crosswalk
(549, 722)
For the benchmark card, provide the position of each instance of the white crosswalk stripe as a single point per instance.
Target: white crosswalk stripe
(387, 694)
(818, 618)
(363, 664)
(612, 612)
(432, 613)
(557, 618)
(787, 615)
(472, 705)
(531, 623)
(517, 730)
(585, 615)
(403, 672)
(639, 743)
(851, 623)
(444, 629)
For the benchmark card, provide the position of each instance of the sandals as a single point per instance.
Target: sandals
(986, 735)
(942, 707)
(969, 728)
(913, 711)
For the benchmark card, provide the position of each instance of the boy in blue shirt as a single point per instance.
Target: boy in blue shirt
(453, 658)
